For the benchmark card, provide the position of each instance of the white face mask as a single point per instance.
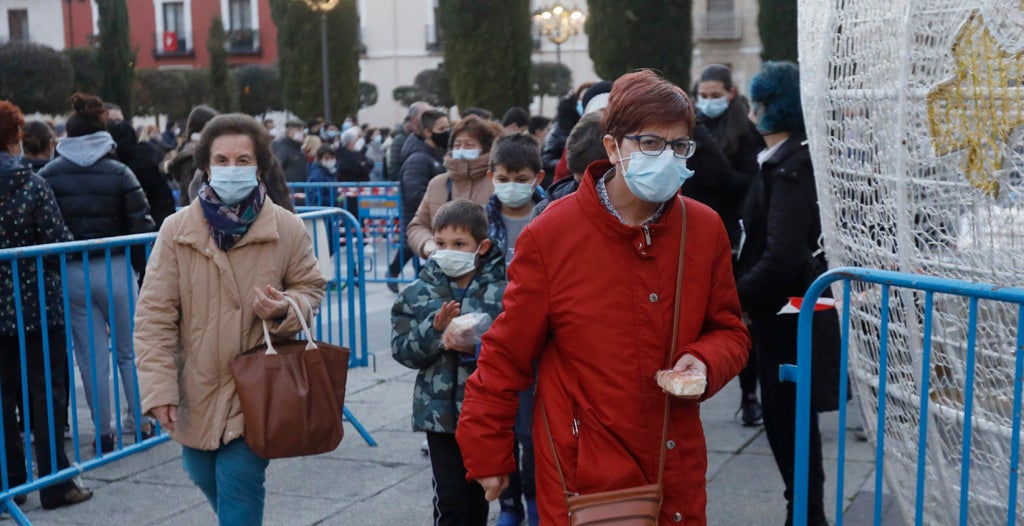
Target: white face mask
(468, 154)
(654, 179)
(513, 195)
(330, 164)
(233, 183)
(297, 136)
(454, 263)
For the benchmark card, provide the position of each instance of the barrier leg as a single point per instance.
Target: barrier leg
(10, 507)
(349, 417)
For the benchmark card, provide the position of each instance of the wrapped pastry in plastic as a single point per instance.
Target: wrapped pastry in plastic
(465, 331)
(682, 383)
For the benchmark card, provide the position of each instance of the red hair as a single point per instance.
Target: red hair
(11, 122)
(641, 99)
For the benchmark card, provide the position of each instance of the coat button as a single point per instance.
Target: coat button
(653, 297)
(678, 517)
(671, 444)
(206, 250)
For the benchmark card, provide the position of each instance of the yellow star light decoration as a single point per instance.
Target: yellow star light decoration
(977, 109)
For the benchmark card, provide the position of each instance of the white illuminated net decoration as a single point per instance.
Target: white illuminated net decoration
(915, 114)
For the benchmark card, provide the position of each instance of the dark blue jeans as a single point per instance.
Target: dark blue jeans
(231, 477)
(521, 482)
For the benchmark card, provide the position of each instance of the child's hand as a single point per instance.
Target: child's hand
(449, 311)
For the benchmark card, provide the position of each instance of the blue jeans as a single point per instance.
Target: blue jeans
(231, 478)
(97, 343)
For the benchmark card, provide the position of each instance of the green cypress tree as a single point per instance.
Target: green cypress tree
(776, 20)
(298, 44)
(219, 92)
(115, 54)
(487, 52)
(656, 34)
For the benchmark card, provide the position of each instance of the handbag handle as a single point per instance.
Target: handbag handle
(302, 320)
(671, 358)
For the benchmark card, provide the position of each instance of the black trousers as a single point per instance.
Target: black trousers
(775, 345)
(749, 375)
(10, 373)
(457, 502)
(403, 255)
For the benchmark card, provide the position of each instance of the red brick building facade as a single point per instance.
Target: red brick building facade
(174, 33)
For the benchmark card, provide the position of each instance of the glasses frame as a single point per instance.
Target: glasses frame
(690, 144)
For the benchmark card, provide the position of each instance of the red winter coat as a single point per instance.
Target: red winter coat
(594, 304)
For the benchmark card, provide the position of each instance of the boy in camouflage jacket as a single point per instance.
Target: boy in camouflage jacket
(466, 274)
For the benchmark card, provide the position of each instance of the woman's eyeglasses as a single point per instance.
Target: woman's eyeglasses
(653, 145)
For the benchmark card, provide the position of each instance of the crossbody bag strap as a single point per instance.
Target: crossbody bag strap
(675, 335)
(671, 360)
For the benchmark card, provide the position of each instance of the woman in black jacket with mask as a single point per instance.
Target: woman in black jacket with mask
(99, 197)
(778, 254)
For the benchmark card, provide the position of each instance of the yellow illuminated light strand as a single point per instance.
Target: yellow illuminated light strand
(978, 108)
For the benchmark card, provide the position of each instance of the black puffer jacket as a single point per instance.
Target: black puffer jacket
(783, 225)
(289, 155)
(554, 145)
(29, 216)
(719, 181)
(555, 192)
(101, 200)
(422, 163)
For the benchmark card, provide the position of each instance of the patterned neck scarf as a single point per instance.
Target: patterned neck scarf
(228, 224)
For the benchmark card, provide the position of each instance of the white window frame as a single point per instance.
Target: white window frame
(158, 8)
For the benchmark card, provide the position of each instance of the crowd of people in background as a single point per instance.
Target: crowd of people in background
(520, 201)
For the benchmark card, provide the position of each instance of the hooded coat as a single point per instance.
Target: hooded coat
(465, 179)
(98, 195)
(441, 381)
(600, 336)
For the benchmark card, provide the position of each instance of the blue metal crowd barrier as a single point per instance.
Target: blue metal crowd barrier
(341, 320)
(378, 208)
(928, 285)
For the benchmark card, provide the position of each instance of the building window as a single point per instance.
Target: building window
(17, 23)
(240, 14)
(241, 21)
(435, 35)
(720, 22)
(175, 37)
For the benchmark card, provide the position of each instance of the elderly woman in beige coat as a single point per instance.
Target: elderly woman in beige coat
(465, 178)
(219, 268)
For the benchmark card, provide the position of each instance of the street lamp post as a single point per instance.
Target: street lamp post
(323, 7)
(558, 23)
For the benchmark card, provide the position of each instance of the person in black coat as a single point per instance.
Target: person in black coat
(783, 227)
(29, 216)
(143, 159)
(288, 152)
(725, 165)
(424, 160)
(100, 197)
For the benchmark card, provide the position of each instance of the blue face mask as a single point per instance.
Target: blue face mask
(713, 108)
(468, 154)
(345, 125)
(655, 179)
(232, 184)
(333, 133)
(579, 107)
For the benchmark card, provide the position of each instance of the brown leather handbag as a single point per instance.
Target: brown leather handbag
(292, 394)
(639, 505)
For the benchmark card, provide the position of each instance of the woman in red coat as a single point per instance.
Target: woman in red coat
(593, 305)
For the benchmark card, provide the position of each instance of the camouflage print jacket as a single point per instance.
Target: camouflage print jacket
(441, 382)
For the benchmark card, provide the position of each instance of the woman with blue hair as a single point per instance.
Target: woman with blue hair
(778, 253)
